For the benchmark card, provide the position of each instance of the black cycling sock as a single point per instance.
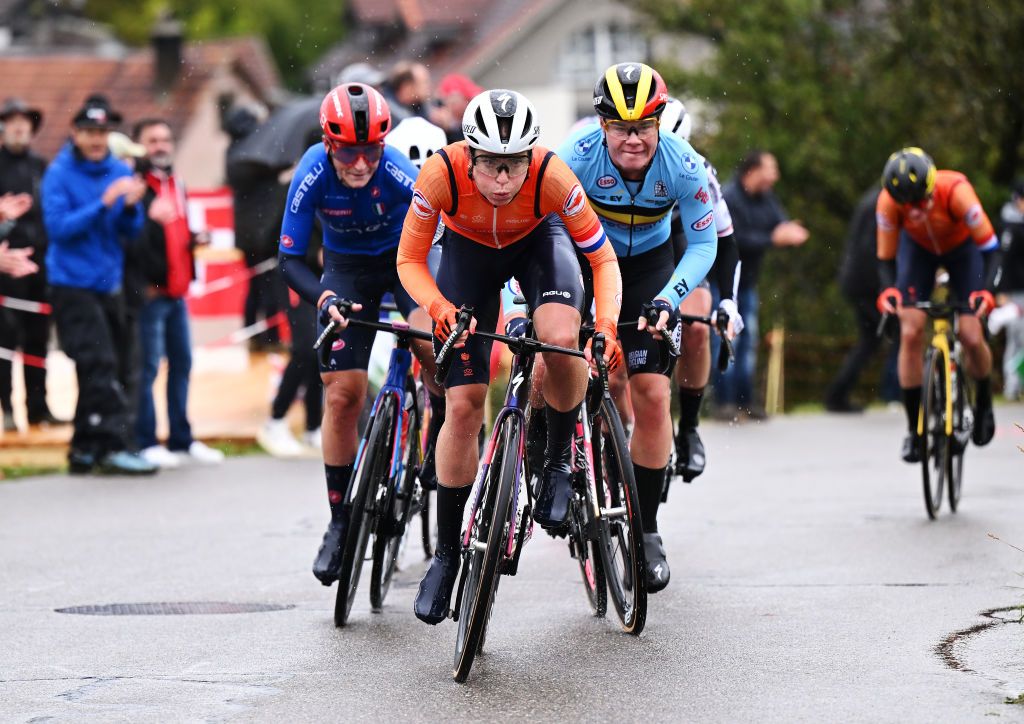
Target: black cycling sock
(649, 482)
(561, 425)
(912, 405)
(337, 483)
(451, 502)
(689, 407)
(984, 390)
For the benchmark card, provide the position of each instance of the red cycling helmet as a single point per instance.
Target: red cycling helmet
(354, 113)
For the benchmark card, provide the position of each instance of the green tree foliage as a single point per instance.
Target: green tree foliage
(831, 87)
(297, 31)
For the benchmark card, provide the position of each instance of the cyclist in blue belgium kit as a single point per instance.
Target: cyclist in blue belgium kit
(633, 176)
(359, 190)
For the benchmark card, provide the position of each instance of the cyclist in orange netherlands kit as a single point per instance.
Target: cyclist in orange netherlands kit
(510, 209)
(926, 219)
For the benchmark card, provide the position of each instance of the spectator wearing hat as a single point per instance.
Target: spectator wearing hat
(165, 254)
(453, 95)
(90, 206)
(21, 172)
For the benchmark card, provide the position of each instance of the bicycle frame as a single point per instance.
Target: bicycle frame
(516, 399)
(394, 387)
(944, 332)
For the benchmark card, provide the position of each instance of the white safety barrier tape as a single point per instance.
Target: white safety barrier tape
(25, 305)
(240, 335)
(29, 360)
(219, 285)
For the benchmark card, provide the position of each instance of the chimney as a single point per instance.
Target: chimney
(167, 39)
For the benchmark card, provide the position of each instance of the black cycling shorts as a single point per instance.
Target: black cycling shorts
(643, 277)
(364, 279)
(916, 267)
(543, 262)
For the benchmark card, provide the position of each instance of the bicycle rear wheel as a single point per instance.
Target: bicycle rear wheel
(935, 443)
(488, 536)
(371, 474)
(962, 435)
(587, 552)
(584, 540)
(392, 522)
(621, 534)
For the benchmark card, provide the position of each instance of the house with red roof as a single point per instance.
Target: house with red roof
(189, 84)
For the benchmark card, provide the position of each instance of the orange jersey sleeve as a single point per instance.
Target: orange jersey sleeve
(562, 194)
(887, 218)
(431, 194)
(964, 204)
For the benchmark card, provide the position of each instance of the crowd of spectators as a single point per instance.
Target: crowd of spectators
(107, 246)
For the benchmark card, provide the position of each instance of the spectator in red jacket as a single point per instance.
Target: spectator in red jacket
(165, 251)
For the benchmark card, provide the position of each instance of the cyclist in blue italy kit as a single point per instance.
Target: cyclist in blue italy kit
(633, 176)
(359, 190)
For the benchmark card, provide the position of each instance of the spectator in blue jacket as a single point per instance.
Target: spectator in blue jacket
(90, 207)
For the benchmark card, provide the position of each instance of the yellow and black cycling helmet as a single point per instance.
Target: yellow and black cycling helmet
(909, 175)
(629, 92)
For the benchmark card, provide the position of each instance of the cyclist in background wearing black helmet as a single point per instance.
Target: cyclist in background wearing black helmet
(926, 219)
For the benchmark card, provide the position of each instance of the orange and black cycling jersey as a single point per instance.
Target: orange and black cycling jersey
(939, 225)
(550, 188)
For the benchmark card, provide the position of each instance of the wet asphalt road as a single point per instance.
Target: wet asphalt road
(807, 585)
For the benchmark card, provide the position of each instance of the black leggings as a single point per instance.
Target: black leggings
(302, 369)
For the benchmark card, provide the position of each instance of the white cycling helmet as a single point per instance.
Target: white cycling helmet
(417, 138)
(676, 120)
(501, 121)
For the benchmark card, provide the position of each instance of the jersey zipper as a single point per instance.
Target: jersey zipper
(494, 226)
(632, 199)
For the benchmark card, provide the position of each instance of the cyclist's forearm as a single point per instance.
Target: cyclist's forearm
(691, 269)
(414, 273)
(300, 277)
(993, 268)
(725, 266)
(607, 282)
(887, 272)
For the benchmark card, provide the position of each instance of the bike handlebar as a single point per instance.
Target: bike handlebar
(400, 329)
(935, 310)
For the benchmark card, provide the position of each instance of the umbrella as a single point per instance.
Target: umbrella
(280, 141)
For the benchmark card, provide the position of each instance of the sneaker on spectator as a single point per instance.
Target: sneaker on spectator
(201, 453)
(9, 424)
(275, 437)
(313, 439)
(123, 462)
(160, 456)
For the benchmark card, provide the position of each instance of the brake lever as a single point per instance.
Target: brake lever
(443, 360)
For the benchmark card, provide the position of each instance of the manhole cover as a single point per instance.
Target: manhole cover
(184, 608)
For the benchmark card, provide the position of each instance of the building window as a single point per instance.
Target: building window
(590, 51)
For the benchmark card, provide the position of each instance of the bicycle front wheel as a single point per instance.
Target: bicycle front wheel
(392, 523)
(935, 443)
(620, 530)
(488, 536)
(961, 437)
(373, 472)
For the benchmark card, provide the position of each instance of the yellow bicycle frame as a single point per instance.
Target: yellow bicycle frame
(943, 329)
